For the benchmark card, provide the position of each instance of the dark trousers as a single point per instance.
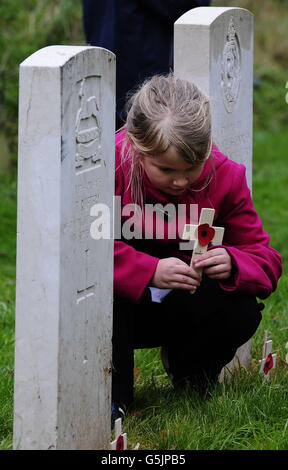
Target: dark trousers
(200, 333)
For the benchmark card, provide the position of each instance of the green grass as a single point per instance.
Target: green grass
(8, 195)
(7, 288)
(7, 309)
(246, 414)
(7, 306)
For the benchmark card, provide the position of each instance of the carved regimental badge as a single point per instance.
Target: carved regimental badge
(88, 132)
(231, 68)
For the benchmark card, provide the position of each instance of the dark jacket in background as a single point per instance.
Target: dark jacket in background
(139, 32)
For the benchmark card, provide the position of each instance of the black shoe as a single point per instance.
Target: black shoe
(118, 410)
(196, 379)
(178, 382)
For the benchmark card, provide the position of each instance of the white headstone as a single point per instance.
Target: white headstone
(213, 48)
(64, 278)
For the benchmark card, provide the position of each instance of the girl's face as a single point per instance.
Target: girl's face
(169, 172)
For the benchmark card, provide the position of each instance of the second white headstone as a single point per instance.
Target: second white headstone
(213, 48)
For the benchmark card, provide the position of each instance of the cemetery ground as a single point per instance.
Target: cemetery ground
(244, 413)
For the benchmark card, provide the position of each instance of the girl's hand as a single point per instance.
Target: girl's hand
(216, 263)
(172, 273)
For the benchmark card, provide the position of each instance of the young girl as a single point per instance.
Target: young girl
(165, 155)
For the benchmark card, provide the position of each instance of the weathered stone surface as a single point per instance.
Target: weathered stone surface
(64, 277)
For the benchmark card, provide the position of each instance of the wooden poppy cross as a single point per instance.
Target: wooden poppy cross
(268, 360)
(203, 234)
(120, 442)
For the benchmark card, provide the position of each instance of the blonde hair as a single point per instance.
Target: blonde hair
(166, 111)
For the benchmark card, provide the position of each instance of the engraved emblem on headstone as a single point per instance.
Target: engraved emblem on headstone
(88, 131)
(231, 68)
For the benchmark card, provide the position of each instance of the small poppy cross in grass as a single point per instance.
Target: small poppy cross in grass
(120, 442)
(203, 234)
(268, 360)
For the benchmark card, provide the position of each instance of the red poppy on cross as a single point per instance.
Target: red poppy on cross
(268, 364)
(120, 442)
(203, 234)
(268, 361)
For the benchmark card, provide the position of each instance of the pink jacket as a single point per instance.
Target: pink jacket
(257, 266)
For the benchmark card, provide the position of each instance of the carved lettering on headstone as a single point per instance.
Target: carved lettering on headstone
(231, 68)
(86, 269)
